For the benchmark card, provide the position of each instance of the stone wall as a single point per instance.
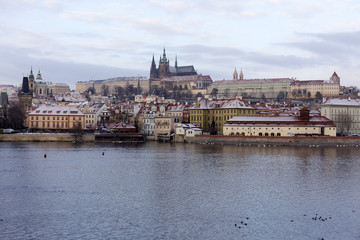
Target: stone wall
(46, 138)
(297, 141)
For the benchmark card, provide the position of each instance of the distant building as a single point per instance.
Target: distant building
(175, 77)
(40, 88)
(316, 88)
(280, 126)
(165, 70)
(270, 88)
(110, 85)
(345, 113)
(56, 118)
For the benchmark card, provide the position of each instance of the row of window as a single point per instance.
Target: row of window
(53, 118)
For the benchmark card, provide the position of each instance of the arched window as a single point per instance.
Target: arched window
(242, 134)
(272, 134)
(266, 134)
(278, 134)
(260, 134)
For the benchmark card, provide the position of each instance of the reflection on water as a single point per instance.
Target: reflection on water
(178, 191)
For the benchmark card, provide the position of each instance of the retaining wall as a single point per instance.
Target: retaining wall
(46, 138)
(299, 141)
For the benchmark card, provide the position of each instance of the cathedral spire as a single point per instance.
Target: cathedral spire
(164, 59)
(176, 61)
(153, 68)
(241, 75)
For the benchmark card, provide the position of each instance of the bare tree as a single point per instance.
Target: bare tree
(15, 117)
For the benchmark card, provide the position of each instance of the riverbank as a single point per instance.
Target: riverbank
(198, 139)
(285, 141)
(46, 137)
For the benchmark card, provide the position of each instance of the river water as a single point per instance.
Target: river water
(178, 191)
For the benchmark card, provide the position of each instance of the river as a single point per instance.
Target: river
(178, 191)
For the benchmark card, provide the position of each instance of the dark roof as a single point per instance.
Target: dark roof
(185, 69)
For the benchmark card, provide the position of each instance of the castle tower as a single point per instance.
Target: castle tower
(235, 75)
(335, 78)
(241, 76)
(163, 66)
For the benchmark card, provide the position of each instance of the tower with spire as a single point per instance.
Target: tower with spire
(31, 81)
(335, 78)
(241, 75)
(235, 75)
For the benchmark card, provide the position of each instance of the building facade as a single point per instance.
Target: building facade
(316, 88)
(112, 84)
(211, 115)
(272, 88)
(280, 126)
(345, 113)
(56, 118)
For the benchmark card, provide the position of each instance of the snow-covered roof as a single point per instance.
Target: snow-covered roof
(45, 110)
(341, 102)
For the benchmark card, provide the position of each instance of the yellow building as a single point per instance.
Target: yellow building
(206, 113)
(56, 118)
(312, 88)
(280, 126)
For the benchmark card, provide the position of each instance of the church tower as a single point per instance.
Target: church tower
(335, 78)
(241, 76)
(38, 76)
(164, 66)
(32, 82)
(235, 75)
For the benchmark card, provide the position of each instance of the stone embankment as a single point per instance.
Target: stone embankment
(286, 141)
(46, 138)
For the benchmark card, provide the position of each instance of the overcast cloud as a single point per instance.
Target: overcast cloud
(72, 41)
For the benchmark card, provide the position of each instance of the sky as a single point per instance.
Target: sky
(81, 40)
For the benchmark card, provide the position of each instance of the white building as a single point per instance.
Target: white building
(345, 113)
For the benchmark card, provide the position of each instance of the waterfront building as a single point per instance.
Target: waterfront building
(345, 113)
(271, 88)
(187, 129)
(93, 113)
(164, 128)
(211, 114)
(56, 118)
(280, 125)
(148, 125)
(316, 88)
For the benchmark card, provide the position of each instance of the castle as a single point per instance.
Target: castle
(165, 70)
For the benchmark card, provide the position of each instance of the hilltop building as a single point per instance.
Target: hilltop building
(111, 84)
(175, 77)
(40, 88)
(316, 88)
(165, 70)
